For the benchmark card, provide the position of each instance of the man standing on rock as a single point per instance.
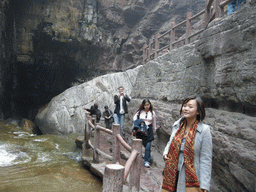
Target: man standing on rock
(121, 108)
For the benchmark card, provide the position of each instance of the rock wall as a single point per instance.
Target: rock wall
(220, 67)
(228, 49)
(7, 58)
(206, 68)
(234, 146)
(65, 113)
(52, 45)
(118, 29)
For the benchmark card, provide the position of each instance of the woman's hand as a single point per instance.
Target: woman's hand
(165, 157)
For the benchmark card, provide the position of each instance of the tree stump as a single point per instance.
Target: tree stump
(113, 178)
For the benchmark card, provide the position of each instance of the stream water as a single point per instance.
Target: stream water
(45, 163)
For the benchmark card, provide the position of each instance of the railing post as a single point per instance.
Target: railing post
(222, 11)
(116, 143)
(150, 48)
(156, 45)
(188, 27)
(94, 120)
(144, 53)
(172, 36)
(113, 178)
(217, 9)
(135, 171)
(96, 144)
(87, 131)
(207, 14)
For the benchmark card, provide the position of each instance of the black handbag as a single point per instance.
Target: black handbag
(111, 120)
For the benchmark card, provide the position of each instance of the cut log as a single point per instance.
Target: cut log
(113, 178)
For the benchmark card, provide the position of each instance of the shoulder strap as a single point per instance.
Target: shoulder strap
(138, 116)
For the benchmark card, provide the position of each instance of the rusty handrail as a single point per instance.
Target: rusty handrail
(197, 15)
(166, 33)
(105, 130)
(116, 175)
(209, 15)
(178, 41)
(109, 157)
(133, 163)
(90, 144)
(196, 33)
(91, 125)
(181, 23)
(224, 3)
(165, 47)
(129, 163)
(124, 144)
(120, 139)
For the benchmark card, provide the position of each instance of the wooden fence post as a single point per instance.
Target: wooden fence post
(116, 143)
(87, 131)
(150, 48)
(144, 53)
(94, 120)
(207, 14)
(188, 27)
(217, 9)
(96, 144)
(135, 171)
(172, 36)
(156, 45)
(222, 11)
(113, 178)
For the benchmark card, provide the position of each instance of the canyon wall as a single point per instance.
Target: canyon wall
(50, 46)
(220, 67)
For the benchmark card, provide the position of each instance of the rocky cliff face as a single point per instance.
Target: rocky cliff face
(116, 29)
(53, 45)
(218, 69)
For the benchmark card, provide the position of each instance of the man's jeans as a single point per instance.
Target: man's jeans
(119, 119)
(147, 157)
(232, 5)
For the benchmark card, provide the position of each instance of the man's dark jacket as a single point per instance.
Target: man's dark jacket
(117, 102)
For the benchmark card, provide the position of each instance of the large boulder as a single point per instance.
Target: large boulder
(65, 113)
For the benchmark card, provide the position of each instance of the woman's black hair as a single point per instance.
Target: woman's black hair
(200, 106)
(143, 103)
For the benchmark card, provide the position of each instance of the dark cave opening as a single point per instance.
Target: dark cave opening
(34, 86)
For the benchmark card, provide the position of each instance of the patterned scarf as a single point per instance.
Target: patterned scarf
(171, 165)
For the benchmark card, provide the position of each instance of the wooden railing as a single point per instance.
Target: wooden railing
(213, 9)
(115, 174)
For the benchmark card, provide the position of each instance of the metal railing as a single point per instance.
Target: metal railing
(213, 9)
(115, 174)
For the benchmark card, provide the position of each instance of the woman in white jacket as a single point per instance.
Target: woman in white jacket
(188, 154)
(146, 113)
